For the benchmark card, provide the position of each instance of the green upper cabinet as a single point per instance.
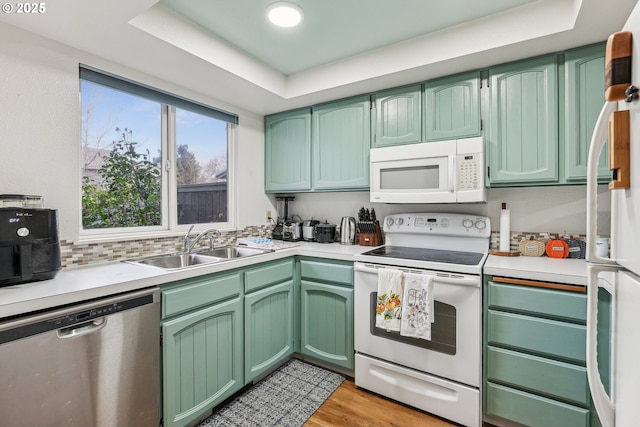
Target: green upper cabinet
(398, 116)
(288, 151)
(523, 132)
(452, 107)
(584, 98)
(341, 141)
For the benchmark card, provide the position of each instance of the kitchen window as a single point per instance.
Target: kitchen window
(151, 161)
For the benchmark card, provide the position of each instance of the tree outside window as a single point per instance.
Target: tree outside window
(127, 162)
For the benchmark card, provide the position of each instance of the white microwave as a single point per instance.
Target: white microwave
(431, 172)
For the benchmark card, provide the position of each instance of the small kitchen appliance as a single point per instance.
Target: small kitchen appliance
(292, 231)
(325, 233)
(348, 230)
(309, 230)
(29, 245)
(20, 201)
(282, 206)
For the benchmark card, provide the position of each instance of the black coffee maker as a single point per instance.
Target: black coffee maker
(29, 245)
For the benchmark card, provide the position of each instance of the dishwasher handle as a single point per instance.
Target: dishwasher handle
(82, 329)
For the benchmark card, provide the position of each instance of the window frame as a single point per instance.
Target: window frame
(168, 102)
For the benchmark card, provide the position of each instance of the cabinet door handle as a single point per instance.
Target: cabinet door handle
(547, 285)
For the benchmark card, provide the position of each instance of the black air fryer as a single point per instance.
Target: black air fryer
(29, 245)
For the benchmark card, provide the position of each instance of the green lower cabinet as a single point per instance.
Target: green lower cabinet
(268, 329)
(565, 341)
(327, 323)
(535, 354)
(540, 375)
(202, 361)
(532, 410)
(326, 311)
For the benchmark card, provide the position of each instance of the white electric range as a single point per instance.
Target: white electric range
(440, 375)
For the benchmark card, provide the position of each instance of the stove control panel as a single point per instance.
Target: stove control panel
(450, 224)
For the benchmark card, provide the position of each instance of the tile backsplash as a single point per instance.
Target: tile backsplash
(74, 254)
(517, 236)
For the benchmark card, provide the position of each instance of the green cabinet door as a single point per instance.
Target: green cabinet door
(398, 116)
(523, 132)
(452, 107)
(288, 151)
(268, 329)
(341, 141)
(584, 98)
(535, 351)
(202, 361)
(327, 323)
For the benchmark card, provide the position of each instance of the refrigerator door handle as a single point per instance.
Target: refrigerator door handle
(598, 139)
(601, 400)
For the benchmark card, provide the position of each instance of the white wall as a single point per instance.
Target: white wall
(40, 124)
(40, 150)
(533, 209)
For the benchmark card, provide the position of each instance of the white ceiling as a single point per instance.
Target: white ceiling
(225, 49)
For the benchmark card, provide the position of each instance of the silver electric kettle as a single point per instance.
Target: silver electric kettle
(348, 230)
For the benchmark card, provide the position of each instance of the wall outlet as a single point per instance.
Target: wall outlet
(268, 216)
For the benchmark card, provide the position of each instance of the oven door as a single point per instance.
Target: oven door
(455, 346)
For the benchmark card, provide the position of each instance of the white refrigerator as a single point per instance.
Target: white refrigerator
(621, 407)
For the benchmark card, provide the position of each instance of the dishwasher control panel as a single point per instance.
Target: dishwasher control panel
(71, 317)
(104, 310)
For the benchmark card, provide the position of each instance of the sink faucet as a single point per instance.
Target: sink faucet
(191, 242)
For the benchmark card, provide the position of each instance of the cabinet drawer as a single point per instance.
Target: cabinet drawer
(539, 375)
(194, 293)
(545, 302)
(542, 336)
(532, 410)
(266, 275)
(324, 271)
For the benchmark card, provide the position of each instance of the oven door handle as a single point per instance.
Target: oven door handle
(455, 280)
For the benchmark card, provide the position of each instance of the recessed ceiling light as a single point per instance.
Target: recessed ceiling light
(284, 14)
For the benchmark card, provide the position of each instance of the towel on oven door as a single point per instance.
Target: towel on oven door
(417, 311)
(389, 301)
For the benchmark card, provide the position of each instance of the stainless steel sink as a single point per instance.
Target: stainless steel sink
(204, 256)
(177, 261)
(228, 252)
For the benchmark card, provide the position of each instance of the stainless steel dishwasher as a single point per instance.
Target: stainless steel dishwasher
(90, 364)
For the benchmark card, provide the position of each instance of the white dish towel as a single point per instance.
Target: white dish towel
(417, 313)
(389, 302)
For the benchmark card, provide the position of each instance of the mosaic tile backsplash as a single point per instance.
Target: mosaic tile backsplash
(517, 236)
(74, 254)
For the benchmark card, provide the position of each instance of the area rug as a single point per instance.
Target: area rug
(287, 397)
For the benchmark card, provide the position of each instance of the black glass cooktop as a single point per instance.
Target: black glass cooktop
(422, 254)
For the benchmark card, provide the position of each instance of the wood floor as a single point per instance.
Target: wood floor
(350, 406)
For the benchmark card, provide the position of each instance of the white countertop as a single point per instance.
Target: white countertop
(84, 283)
(94, 281)
(570, 271)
